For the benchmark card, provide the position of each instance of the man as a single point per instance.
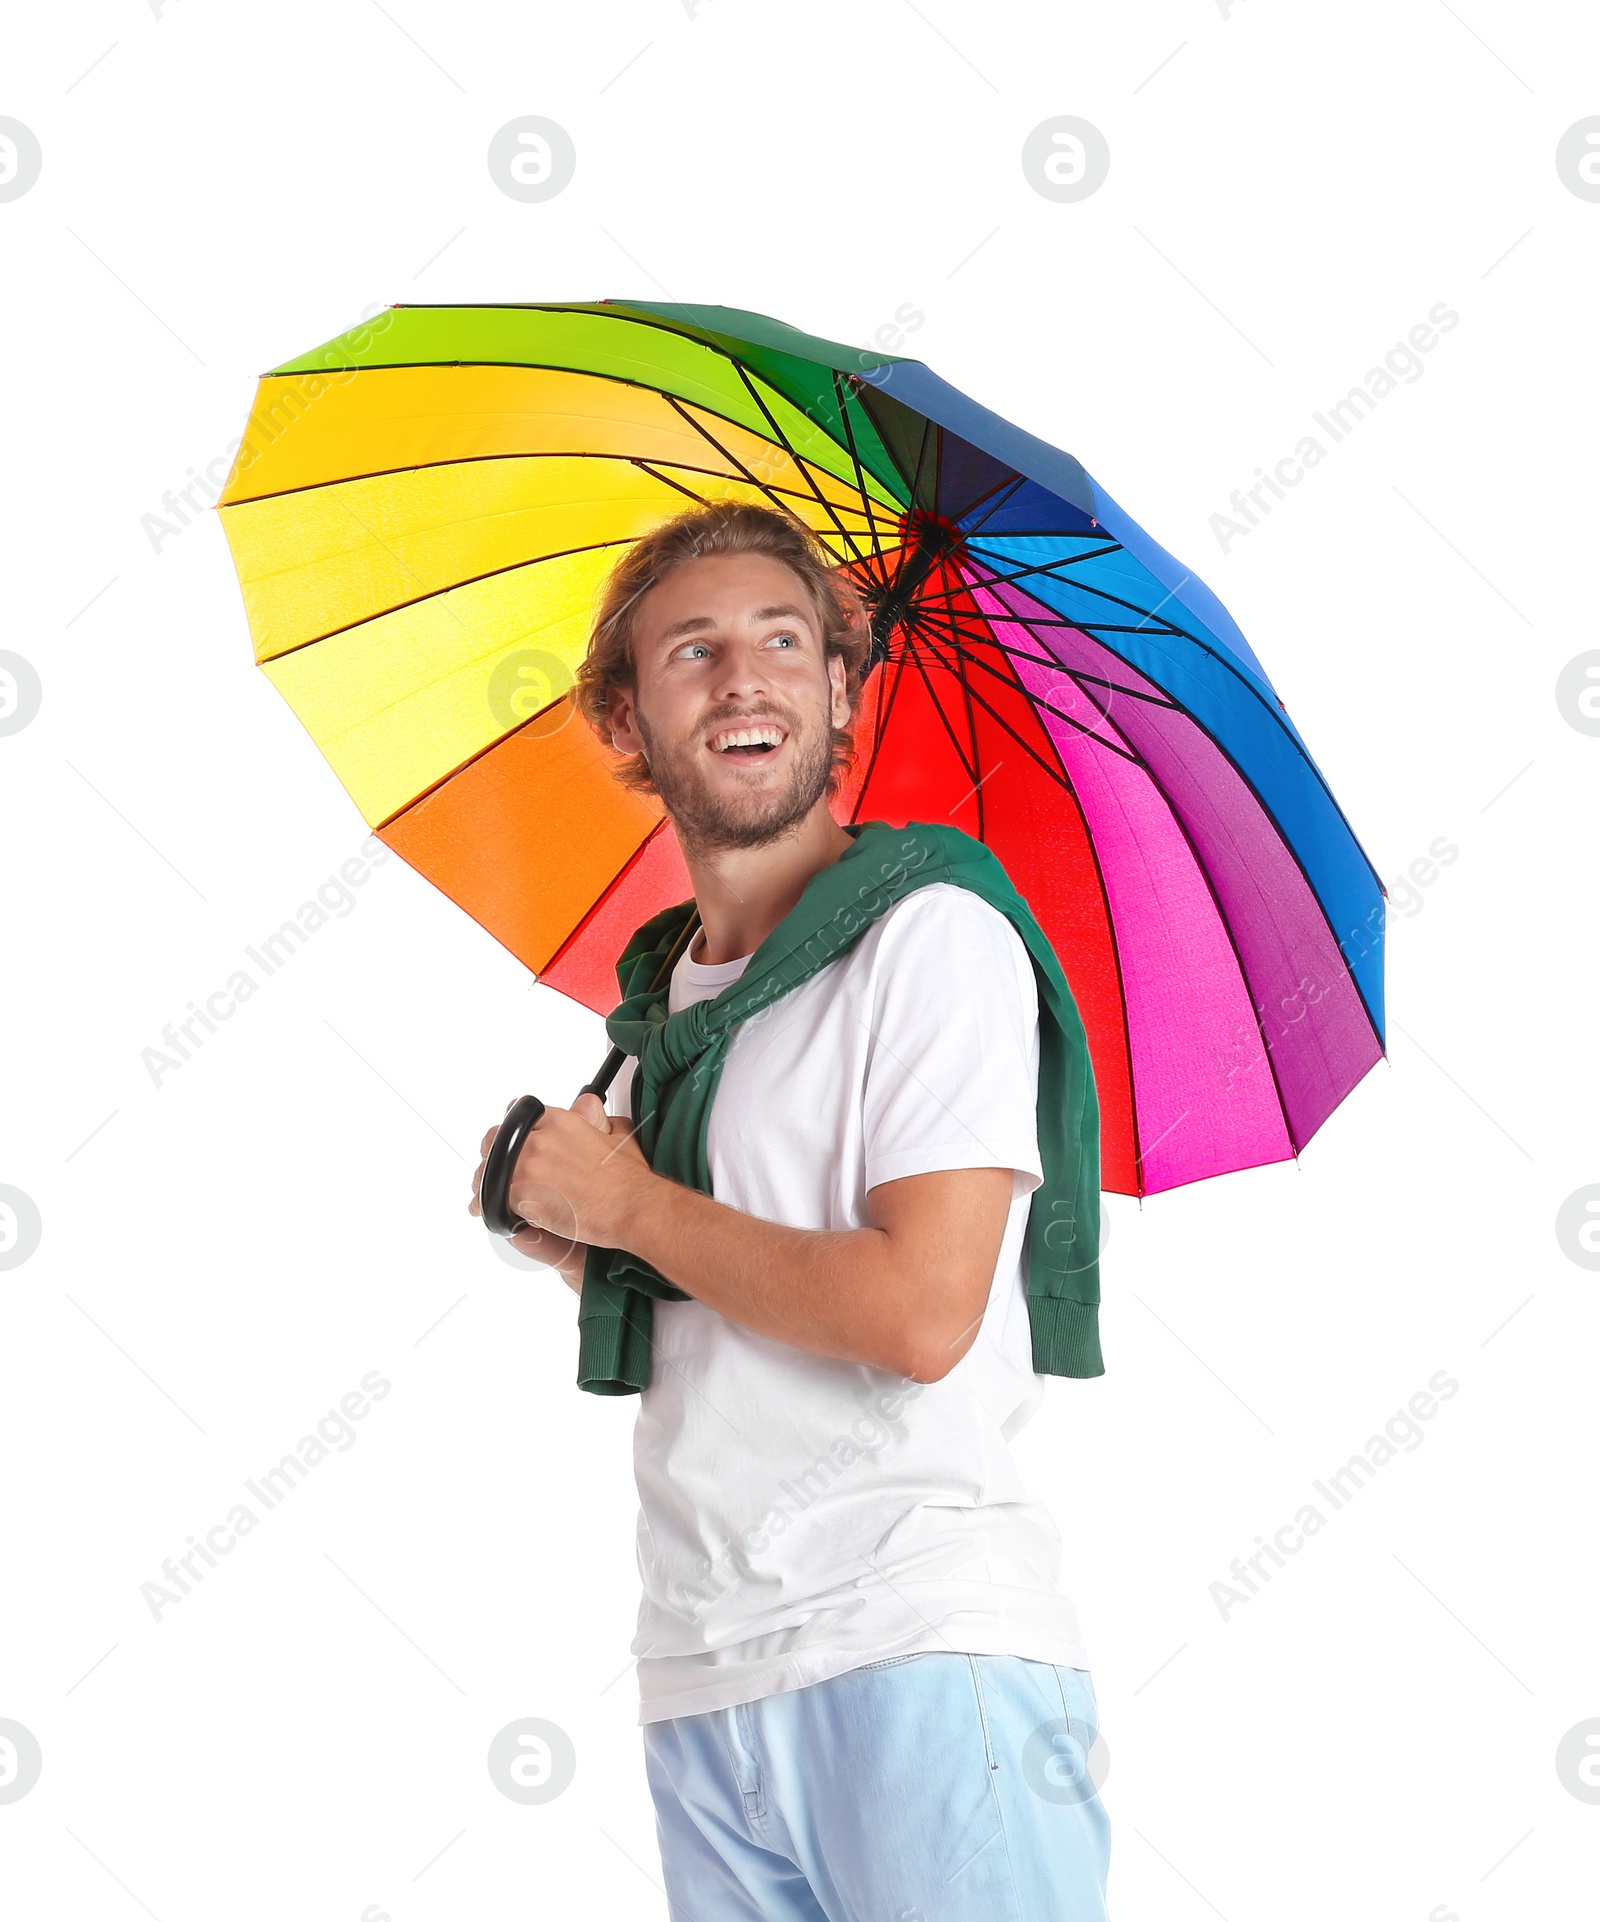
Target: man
(863, 1698)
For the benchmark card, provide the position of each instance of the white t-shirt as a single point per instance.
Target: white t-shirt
(799, 1515)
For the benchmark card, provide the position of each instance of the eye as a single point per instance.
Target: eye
(785, 634)
(699, 644)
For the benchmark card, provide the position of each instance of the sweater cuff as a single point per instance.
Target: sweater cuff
(613, 1351)
(1066, 1336)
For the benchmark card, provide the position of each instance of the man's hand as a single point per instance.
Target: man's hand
(579, 1174)
(906, 1293)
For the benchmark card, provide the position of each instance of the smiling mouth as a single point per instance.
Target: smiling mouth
(753, 742)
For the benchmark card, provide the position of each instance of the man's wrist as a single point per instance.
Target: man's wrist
(648, 1225)
(636, 1211)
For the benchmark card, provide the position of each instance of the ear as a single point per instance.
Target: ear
(625, 736)
(838, 679)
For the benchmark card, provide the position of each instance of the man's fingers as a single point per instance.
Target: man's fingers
(473, 1207)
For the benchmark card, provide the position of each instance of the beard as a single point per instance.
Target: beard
(708, 822)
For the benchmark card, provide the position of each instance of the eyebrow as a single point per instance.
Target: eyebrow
(775, 612)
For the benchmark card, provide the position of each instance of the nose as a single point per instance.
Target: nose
(742, 673)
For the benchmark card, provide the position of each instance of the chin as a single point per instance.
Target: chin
(742, 811)
(744, 819)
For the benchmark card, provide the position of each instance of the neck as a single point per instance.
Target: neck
(743, 893)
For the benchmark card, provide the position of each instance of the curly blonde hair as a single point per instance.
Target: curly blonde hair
(723, 527)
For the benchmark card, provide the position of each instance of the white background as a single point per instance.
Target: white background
(226, 1254)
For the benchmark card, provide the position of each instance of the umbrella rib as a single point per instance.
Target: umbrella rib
(929, 451)
(1128, 753)
(1056, 774)
(1251, 686)
(521, 366)
(912, 480)
(668, 481)
(938, 707)
(511, 567)
(1081, 675)
(1267, 814)
(649, 467)
(855, 462)
(1256, 690)
(1011, 576)
(1006, 572)
(1288, 845)
(471, 460)
(702, 499)
(1267, 1048)
(1048, 571)
(1081, 626)
(462, 766)
(605, 894)
(1054, 534)
(972, 722)
(997, 497)
(772, 491)
(1047, 659)
(1008, 675)
(783, 441)
(881, 727)
(1148, 623)
(435, 593)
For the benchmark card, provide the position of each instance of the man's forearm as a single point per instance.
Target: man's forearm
(905, 1292)
(835, 1293)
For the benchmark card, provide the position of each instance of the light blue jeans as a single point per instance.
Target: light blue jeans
(927, 1788)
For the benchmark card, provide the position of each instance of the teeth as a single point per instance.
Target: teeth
(746, 737)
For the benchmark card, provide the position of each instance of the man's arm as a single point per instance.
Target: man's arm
(905, 1294)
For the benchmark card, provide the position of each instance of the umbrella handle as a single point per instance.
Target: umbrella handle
(606, 1075)
(494, 1196)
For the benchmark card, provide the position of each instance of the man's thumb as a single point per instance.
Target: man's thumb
(593, 1110)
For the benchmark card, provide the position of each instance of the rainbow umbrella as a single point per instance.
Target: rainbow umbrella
(422, 513)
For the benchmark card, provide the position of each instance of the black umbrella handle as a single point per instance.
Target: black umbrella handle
(607, 1074)
(494, 1197)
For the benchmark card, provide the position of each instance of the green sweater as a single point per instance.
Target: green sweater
(679, 1063)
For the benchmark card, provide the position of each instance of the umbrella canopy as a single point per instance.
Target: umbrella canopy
(422, 512)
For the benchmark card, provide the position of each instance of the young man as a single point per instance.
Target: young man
(863, 1698)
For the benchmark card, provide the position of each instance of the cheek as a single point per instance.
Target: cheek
(668, 712)
(799, 685)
